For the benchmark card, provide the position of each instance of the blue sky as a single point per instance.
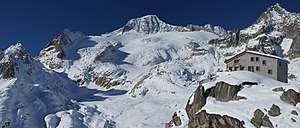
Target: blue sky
(34, 22)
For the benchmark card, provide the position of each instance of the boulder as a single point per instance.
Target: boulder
(279, 89)
(176, 119)
(293, 120)
(206, 120)
(266, 122)
(290, 96)
(274, 111)
(257, 118)
(224, 92)
(294, 112)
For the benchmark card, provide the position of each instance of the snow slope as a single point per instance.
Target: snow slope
(158, 72)
(32, 92)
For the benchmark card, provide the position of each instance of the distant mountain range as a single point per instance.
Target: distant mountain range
(139, 75)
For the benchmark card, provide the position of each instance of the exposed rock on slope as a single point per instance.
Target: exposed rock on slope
(12, 59)
(290, 96)
(222, 92)
(206, 120)
(198, 100)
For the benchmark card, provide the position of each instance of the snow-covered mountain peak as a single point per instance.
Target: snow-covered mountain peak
(277, 7)
(151, 24)
(16, 52)
(148, 24)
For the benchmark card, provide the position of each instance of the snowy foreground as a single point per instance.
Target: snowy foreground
(258, 96)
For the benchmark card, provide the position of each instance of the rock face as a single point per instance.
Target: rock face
(10, 58)
(290, 96)
(7, 69)
(222, 92)
(198, 102)
(205, 120)
(59, 42)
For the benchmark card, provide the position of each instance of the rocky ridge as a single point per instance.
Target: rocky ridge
(151, 24)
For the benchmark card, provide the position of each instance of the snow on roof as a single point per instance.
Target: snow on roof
(256, 53)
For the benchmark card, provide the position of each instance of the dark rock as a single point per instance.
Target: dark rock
(223, 92)
(293, 120)
(198, 102)
(257, 118)
(1, 53)
(206, 120)
(274, 111)
(266, 122)
(249, 83)
(290, 96)
(104, 81)
(279, 89)
(176, 119)
(7, 69)
(294, 112)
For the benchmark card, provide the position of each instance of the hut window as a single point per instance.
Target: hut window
(257, 58)
(257, 68)
(236, 61)
(269, 71)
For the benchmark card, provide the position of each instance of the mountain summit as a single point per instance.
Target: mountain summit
(147, 24)
(151, 24)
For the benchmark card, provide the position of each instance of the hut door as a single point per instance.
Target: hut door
(251, 68)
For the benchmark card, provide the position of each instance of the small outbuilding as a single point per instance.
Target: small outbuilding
(267, 65)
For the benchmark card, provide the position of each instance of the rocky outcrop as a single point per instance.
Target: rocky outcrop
(290, 96)
(104, 81)
(7, 69)
(59, 42)
(198, 102)
(1, 53)
(274, 110)
(224, 92)
(206, 120)
(14, 55)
